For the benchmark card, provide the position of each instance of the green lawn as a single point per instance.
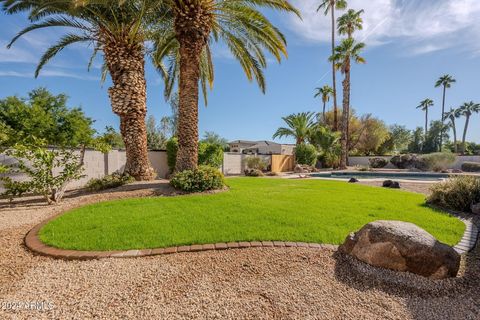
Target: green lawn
(253, 209)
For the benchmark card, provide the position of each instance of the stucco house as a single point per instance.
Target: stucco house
(260, 147)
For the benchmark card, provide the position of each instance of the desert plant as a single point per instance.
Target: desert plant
(405, 161)
(306, 154)
(110, 181)
(471, 167)
(256, 163)
(299, 126)
(201, 179)
(457, 193)
(172, 148)
(378, 163)
(439, 161)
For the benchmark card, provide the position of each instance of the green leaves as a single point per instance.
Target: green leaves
(299, 126)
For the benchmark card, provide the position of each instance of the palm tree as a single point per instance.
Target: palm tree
(444, 81)
(191, 27)
(329, 6)
(467, 110)
(299, 126)
(424, 105)
(350, 22)
(452, 115)
(325, 93)
(347, 51)
(119, 32)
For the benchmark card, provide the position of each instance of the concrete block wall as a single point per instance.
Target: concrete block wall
(363, 161)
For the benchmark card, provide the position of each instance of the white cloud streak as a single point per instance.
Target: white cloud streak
(422, 26)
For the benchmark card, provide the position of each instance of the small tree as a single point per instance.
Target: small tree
(306, 154)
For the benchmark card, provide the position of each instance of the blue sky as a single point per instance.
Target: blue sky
(409, 45)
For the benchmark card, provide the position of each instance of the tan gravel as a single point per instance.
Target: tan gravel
(263, 283)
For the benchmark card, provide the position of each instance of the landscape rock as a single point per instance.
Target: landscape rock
(304, 168)
(402, 246)
(391, 184)
(353, 180)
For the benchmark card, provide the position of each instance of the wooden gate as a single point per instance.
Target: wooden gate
(282, 163)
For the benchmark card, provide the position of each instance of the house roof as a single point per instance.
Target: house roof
(261, 143)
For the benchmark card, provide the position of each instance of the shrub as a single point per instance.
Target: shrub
(172, 148)
(306, 154)
(405, 161)
(201, 179)
(256, 163)
(378, 163)
(113, 180)
(439, 161)
(471, 167)
(210, 154)
(457, 193)
(253, 173)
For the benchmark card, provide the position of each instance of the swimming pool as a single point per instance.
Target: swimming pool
(383, 175)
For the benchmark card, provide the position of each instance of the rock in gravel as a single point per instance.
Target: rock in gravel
(391, 184)
(402, 246)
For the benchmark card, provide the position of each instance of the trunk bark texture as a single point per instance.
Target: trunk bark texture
(126, 65)
(345, 115)
(455, 146)
(443, 117)
(464, 138)
(334, 76)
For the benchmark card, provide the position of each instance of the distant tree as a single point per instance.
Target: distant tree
(112, 138)
(325, 93)
(299, 126)
(418, 138)
(435, 135)
(444, 81)
(345, 53)
(452, 115)
(373, 135)
(329, 6)
(45, 116)
(350, 22)
(211, 137)
(424, 105)
(156, 140)
(467, 110)
(398, 140)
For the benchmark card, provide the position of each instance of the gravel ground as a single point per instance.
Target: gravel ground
(266, 283)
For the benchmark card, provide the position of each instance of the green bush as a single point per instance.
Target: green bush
(439, 161)
(306, 154)
(201, 179)
(471, 167)
(172, 148)
(113, 180)
(210, 154)
(405, 161)
(378, 163)
(457, 193)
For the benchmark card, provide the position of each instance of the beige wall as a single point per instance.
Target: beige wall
(363, 161)
(234, 163)
(98, 165)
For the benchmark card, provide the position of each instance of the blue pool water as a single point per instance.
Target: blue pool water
(383, 175)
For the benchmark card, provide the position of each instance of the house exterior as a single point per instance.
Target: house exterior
(260, 147)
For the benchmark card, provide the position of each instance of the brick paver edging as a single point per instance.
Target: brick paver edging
(33, 242)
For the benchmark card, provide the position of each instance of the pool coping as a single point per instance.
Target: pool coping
(33, 242)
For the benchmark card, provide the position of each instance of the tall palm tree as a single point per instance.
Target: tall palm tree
(119, 32)
(467, 110)
(329, 6)
(424, 105)
(444, 81)
(325, 93)
(452, 115)
(347, 51)
(193, 25)
(350, 22)
(299, 126)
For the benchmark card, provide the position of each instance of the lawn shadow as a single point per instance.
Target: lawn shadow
(424, 298)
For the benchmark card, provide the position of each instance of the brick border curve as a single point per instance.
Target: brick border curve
(33, 243)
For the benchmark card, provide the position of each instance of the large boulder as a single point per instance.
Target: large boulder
(402, 246)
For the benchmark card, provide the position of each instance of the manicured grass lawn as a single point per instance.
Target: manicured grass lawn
(254, 209)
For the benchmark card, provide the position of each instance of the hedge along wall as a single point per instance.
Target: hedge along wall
(363, 161)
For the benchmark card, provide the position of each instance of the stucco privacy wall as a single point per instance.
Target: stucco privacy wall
(98, 165)
(234, 163)
(363, 161)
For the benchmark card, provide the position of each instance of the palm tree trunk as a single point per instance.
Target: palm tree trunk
(126, 65)
(455, 146)
(334, 76)
(323, 113)
(346, 103)
(426, 123)
(464, 138)
(443, 119)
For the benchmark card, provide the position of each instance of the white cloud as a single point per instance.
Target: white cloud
(424, 26)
